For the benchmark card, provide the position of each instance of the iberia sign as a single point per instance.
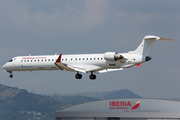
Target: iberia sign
(124, 105)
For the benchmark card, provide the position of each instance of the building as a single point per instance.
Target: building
(124, 109)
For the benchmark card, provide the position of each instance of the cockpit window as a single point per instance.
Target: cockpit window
(10, 60)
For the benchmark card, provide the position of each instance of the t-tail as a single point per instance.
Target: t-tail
(146, 45)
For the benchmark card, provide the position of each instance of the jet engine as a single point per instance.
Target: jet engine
(112, 56)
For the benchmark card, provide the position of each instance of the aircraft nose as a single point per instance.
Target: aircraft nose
(4, 67)
(148, 58)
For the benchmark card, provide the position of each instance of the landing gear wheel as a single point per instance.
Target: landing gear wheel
(10, 76)
(92, 77)
(78, 76)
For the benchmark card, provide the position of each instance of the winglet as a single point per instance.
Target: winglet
(59, 58)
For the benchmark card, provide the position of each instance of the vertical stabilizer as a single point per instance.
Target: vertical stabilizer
(146, 45)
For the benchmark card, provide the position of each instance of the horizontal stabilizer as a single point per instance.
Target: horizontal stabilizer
(151, 37)
(165, 39)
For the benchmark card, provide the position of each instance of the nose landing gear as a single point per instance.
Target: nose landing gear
(10, 76)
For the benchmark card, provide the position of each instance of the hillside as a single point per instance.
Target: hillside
(19, 104)
(124, 93)
(72, 99)
(16, 104)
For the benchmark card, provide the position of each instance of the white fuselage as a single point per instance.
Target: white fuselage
(46, 62)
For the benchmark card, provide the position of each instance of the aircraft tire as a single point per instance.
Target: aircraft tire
(10, 76)
(78, 76)
(92, 77)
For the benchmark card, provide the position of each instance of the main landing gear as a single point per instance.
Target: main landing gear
(10, 76)
(79, 76)
(92, 76)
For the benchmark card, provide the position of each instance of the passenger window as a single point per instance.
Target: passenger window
(94, 58)
(42, 60)
(27, 60)
(76, 59)
(24, 60)
(90, 58)
(34, 60)
(21, 60)
(98, 58)
(79, 58)
(101, 58)
(52, 59)
(49, 60)
(45, 59)
(38, 60)
(86, 58)
(83, 58)
(31, 60)
(71, 59)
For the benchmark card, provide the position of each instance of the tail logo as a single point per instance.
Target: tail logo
(136, 105)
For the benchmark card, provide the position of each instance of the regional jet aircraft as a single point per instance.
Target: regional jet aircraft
(85, 63)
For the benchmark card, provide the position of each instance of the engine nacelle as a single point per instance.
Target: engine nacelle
(112, 56)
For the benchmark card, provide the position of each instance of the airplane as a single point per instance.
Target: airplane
(85, 63)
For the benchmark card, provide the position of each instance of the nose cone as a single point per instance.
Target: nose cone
(4, 67)
(148, 58)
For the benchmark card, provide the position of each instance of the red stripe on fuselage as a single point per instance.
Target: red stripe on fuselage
(59, 58)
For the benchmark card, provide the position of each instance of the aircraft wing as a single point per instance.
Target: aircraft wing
(126, 66)
(92, 68)
(78, 68)
(63, 66)
(108, 70)
(83, 68)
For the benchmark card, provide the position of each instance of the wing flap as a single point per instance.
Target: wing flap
(82, 68)
(64, 67)
(86, 68)
(108, 70)
(92, 68)
(79, 69)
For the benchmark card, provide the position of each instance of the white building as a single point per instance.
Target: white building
(124, 109)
